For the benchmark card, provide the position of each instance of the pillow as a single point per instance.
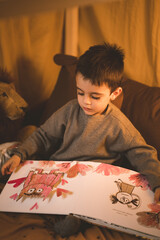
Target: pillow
(141, 104)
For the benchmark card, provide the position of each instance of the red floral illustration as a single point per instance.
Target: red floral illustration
(140, 181)
(34, 206)
(46, 163)
(154, 207)
(110, 169)
(78, 168)
(62, 192)
(63, 167)
(64, 181)
(14, 196)
(17, 182)
(26, 163)
(149, 219)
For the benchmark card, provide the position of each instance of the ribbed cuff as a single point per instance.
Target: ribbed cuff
(19, 154)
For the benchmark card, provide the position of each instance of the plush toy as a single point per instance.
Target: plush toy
(12, 108)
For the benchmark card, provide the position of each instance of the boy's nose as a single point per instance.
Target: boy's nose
(87, 100)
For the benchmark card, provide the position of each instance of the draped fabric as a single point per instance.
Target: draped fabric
(27, 46)
(29, 40)
(135, 26)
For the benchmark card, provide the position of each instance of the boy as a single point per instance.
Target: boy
(90, 128)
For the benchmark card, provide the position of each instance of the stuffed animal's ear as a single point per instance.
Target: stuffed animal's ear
(64, 60)
(65, 88)
(5, 76)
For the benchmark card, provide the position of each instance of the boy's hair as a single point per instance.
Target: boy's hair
(102, 64)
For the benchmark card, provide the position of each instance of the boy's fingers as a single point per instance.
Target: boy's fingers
(12, 167)
(15, 162)
(8, 172)
(8, 167)
(4, 168)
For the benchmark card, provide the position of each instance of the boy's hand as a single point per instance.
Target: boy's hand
(157, 195)
(10, 165)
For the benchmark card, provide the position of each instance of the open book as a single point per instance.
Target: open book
(100, 193)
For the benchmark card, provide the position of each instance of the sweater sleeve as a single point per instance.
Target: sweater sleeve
(126, 140)
(48, 137)
(144, 158)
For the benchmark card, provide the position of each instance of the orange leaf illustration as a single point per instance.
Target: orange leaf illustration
(110, 169)
(60, 191)
(78, 168)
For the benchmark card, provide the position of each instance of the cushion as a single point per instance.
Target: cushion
(141, 104)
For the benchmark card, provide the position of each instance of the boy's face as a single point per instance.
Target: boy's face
(91, 98)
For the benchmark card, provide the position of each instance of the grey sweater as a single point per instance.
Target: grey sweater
(69, 134)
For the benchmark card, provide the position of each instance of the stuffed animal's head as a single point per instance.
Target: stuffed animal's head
(12, 105)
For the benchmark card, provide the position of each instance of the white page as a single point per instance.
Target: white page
(101, 193)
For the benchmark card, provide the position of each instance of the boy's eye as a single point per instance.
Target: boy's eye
(80, 93)
(95, 97)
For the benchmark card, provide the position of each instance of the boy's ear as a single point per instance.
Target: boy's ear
(116, 93)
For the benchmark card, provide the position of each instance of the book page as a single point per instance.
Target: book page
(101, 193)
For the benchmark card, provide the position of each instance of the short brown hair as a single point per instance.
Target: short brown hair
(102, 64)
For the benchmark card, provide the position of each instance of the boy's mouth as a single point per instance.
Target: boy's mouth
(87, 109)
